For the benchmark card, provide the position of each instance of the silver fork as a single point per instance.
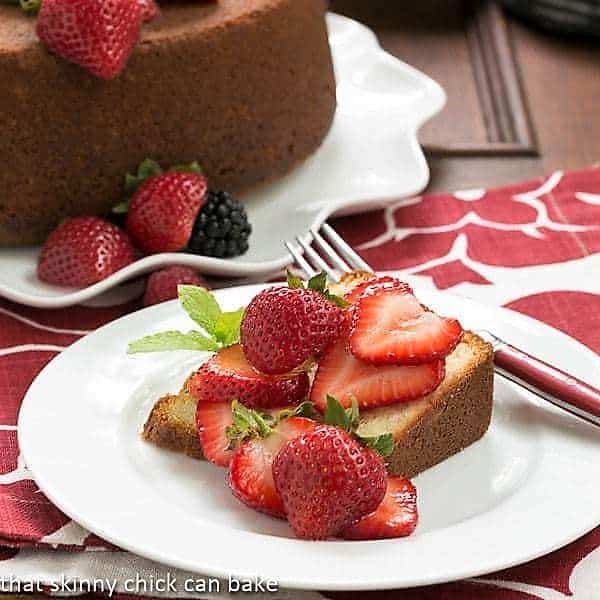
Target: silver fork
(336, 257)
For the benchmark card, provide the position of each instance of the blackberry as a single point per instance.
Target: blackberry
(221, 228)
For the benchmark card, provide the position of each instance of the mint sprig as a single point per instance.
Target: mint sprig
(173, 340)
(318, 283)
(219, 329)
(348, 419)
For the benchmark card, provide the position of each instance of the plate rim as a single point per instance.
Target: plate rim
(391, 582)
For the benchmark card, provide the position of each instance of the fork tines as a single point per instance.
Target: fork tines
(341, 258)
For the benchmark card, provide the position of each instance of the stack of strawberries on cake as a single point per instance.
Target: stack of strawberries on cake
(421, 384)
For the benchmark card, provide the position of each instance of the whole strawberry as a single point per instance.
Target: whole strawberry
(163, 210)
(283, 327)
(162, 285)
(82, 251)
(95, 34)
(327, 482)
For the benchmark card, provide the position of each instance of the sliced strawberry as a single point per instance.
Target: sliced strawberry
(212, 419)
(389, 326)
(397, 515)
(229, 376)
(385, 281)
(250, 470)
(344, 377)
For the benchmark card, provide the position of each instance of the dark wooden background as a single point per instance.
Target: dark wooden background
(521, 102)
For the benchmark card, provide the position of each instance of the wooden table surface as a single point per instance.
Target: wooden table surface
(521, 102)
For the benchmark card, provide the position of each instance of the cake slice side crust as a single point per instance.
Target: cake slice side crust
(172, 424)
(454, 416)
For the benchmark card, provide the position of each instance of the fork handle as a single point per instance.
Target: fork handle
(548, 382)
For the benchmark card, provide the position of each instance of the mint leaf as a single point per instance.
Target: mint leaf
(227, 327)
(173, 340)
(201, 306)
(294, 281)
(192, 167)
(382, 444)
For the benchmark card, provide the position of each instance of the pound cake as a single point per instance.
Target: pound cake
(425, 431)
(245, 87)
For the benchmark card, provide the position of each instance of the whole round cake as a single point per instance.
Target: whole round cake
(244, 87)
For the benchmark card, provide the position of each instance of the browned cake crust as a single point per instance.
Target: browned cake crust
(172, 424)
(246, 88)
(454, 416)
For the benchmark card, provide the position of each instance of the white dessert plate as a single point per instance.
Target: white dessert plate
(528, 487)
(370, 157)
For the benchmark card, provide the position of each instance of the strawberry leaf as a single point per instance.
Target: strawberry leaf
(337, 415)
(306, 409)
(201, 306)
(227, 327)
(382, 444)
(294, 281)
(193, 167)
(173, 340)
(122, 208)
(247, 423)
(31, 6)
(148, 168)
(336, 299)
(318, 283)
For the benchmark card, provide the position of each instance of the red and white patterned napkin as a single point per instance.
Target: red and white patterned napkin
(532, 247)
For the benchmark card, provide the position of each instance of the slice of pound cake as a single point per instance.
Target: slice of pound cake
(425, 431)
